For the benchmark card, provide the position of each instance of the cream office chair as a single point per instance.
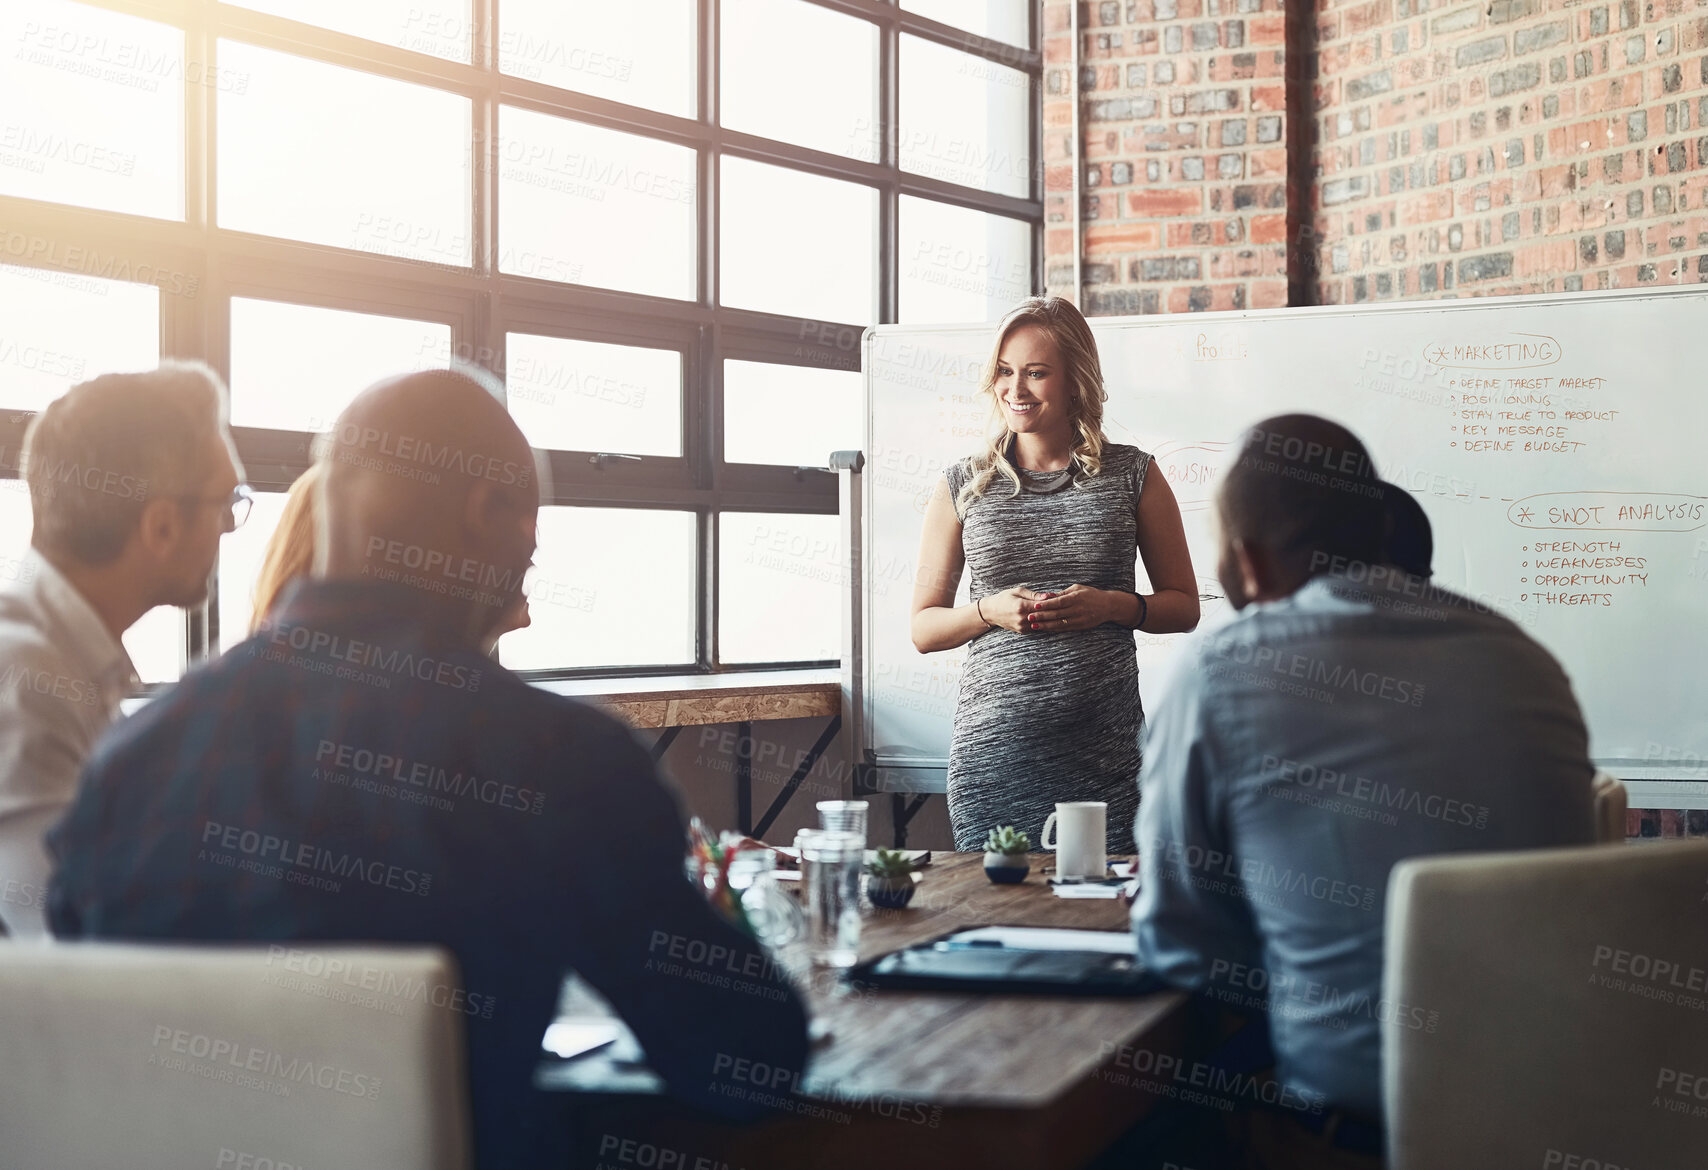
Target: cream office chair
(166, 1058)
(1536, 1009)
(1611, 803)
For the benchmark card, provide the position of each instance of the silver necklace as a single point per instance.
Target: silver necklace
(1044, 482)
(1041, 482)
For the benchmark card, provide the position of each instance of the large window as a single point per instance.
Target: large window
(662, 226)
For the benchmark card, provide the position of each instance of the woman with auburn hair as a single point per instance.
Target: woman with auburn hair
(1047, 517)
(290, 554)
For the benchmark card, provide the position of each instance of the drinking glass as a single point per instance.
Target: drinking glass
(774, 916)
(843, 816)
(830, 871)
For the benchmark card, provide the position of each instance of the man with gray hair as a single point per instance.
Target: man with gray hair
(133, 480)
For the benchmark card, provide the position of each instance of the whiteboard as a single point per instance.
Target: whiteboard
(1554, 442)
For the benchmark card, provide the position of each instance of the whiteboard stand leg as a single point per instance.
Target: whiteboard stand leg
(851, 499)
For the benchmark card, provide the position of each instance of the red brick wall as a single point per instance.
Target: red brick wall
(1511, 146)
(1499, 146)
(1183, 154)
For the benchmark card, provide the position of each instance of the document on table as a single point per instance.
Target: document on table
(1108, 888)
(1088, 890)
(1032, 938)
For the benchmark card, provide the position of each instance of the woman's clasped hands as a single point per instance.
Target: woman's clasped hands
(1022, 610)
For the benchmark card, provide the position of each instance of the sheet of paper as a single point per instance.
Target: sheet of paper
(1087, 891)
(1032, 938)
(917, 856)
(794, 875)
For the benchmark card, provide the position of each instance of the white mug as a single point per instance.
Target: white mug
(1079, 852)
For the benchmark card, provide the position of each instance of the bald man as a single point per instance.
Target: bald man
(359, 770)
(1350, 716)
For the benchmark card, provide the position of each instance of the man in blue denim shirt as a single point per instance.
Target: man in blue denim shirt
(1349, 717)
(359, 770)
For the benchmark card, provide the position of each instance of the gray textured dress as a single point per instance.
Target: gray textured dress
(1046, 717)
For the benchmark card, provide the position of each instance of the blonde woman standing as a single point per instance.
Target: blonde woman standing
(1047, 518)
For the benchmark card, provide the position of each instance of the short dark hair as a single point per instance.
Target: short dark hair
(1411, 541)
(1304, 488)
(104, 448)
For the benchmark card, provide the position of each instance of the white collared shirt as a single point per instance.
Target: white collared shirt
(62, 675)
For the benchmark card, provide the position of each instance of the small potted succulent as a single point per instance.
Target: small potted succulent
(891, 884)
(1005, 853)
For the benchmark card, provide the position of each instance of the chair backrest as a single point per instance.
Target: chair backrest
(164, 1058)
(1548, 1008)
(1611, 803)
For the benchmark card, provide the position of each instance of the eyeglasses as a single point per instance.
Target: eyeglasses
(237, 505)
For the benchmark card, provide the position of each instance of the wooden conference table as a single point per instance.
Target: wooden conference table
(922, 1079)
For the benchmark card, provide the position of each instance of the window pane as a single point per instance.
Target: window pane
(439, 28)
(610, 587)
(331, 156)
(1000, 20)
(638, 54)
(587, 205)
(155, 643)
(791, 415)
(777, 85)
(780, 580)
(964, 119)
(833, 280)
(957, 264)
(294, 367)
(570, 395)
(240, 556)
(58, 329)
(94, 105)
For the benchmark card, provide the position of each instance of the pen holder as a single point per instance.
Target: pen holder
(737, 875)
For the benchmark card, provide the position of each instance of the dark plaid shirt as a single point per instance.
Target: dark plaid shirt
(343, 776)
